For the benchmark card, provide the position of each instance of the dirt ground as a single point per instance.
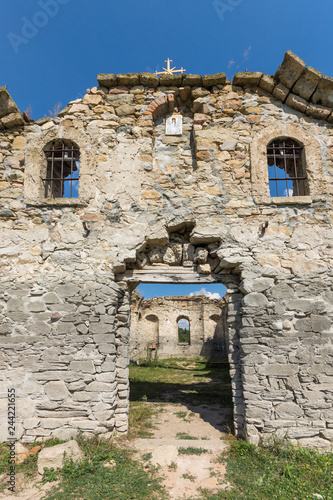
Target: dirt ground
(174, 427)
(186, 437)
(188, 473)
(33, 490)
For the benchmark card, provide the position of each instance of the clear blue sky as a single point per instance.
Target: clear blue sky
(162, 290)
(54, 53)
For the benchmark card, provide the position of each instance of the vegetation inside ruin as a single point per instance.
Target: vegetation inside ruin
(183, 335)
(111, 469)
(276, 472)
(194, 381)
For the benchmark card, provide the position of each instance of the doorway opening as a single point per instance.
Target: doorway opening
(179, 382)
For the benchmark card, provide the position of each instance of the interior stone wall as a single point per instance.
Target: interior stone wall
(68, 266)
(207, 323)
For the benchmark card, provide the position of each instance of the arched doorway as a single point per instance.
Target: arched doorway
(182, 262)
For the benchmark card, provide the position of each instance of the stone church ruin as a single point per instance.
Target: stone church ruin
(156, 327)
(112, 192)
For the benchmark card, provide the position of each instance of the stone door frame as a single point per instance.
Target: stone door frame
(183, 275)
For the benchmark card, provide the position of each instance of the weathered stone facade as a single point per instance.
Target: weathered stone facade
(148, 205)
(154, 322)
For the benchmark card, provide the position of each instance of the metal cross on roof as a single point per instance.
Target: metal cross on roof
(170, 71)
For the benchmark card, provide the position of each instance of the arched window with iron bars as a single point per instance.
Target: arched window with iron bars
(286, 168)
(62, 169)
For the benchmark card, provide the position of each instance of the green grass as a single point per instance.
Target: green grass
(184, 435)
(190, 477)
(29, 466)
(183, 381)
(90, 480)
(277, 472)
(140, 420)
(191, 450)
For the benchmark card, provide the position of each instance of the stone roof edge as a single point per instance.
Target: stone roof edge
(10, 115)
(151, 80)
(295, 84)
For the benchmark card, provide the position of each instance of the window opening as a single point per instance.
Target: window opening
(62, 170)
(183, 331)
(286, 170)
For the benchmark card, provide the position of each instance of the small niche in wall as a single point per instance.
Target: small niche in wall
(184, 331)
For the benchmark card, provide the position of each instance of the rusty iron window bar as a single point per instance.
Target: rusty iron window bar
(286, 170)
(62, 170)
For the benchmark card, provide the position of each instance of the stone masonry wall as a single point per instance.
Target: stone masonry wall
(149, 202)
(155, 321)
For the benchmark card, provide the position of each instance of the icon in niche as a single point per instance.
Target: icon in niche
(174, 125)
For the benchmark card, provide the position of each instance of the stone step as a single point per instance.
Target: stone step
(152, 444)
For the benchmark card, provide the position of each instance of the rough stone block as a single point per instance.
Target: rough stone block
(157, 235)
(296, 102)
(280, 92)
(247, 79)
(210, 81)
(100, 328)
(267, 83)
(149, 80)
(171, 80)
(7, 105)
(12, 120)
(288, 411)
(278, 370)
(324, 92)
(100, 387)
(128, 80)
(125, 110)
(290, 70)
(56, 390)
(307, 83)
(107, 80)
(83, 366)
(255, 299)
(192, 80)
(319, 443)
(318, 112)
(207, 234)
(54, 456)
(320, 323)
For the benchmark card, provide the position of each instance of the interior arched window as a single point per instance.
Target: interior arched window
(183, 331)
(286, 168)
(62, 169)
